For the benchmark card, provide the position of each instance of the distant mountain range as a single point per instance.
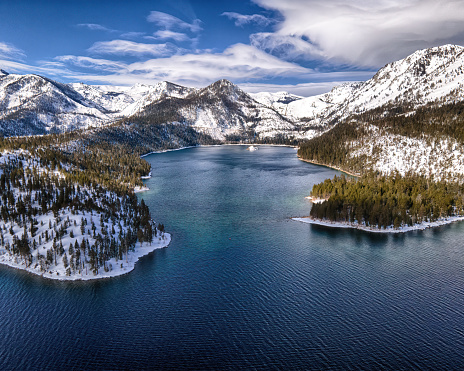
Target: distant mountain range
(32, 104)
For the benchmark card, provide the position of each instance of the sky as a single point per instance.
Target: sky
(302, 46)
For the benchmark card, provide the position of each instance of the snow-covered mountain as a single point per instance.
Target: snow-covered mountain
(429, 75)
(223, 111)
(31, 104)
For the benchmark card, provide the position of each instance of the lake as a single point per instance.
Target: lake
(242, 286)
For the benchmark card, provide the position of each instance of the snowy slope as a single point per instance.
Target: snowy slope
(429, 75)
(222, 110)
(385, 152)
(30, 104)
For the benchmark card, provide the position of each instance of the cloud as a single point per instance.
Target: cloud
(176, 36)
(96, 27)
(366, 33)
(87, 62)
(45, 68)
(288, 47)
(169, 22)
(238, 63)
(125, 47)
(243, 19)
(303, 90)
(8, 51)
(132, 35)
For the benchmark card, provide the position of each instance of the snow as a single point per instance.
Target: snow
(120, 267)
(437, 158)
(403, 229)
(77, 225)
(138, 189)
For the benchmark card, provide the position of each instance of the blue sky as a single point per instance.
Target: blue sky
(302, 46)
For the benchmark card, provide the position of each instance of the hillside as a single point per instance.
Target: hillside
(428, 141)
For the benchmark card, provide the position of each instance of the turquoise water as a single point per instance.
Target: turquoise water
(244, 287)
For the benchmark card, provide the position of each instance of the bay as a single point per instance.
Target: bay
(244, 287)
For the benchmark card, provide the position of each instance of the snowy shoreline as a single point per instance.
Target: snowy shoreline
(128, 264)
(405, 229)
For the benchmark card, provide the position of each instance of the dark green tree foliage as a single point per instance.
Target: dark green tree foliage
(382, 201)
(432, 123)
(26, 194)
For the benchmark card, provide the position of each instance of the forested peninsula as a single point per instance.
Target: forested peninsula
(68, 209)
(409, 167)
(382, 202)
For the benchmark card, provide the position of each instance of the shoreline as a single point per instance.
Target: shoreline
(128, 266)
(346, 225)
(328, 166)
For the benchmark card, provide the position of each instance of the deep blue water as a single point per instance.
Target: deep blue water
(243, 287)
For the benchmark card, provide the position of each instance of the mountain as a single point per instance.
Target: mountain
(31, 104)
(429, 75)
(221, 110)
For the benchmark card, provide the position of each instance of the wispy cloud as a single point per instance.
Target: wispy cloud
(167, 34)
(56, 69)
(239, 62)
(87, 62)
(96, 27)
(367, 33)
(125, 47)
(132, 35)
(288, 47)
(244, 19)
(169, 22)
(9, 51)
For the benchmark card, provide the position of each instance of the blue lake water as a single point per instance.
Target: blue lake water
(243, 287)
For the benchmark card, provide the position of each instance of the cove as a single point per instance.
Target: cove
(242, 286)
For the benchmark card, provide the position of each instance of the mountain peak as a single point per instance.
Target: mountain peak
(3, 73)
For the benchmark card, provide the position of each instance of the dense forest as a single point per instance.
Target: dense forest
(381, 201)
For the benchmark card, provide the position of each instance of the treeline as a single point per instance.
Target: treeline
(113, 166)
(433, 120)
(431, 123)
(333, 147)
(383, 201)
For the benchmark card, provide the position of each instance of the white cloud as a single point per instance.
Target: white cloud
(238, 63)
(87, 62)
(303, 90)
(288, 47)
(8, 51)
(95, 27)
(132, 35)
(244, 19)
(125, 47)
(167, 34)
(55, 69)
(169, 22)
(368, 33)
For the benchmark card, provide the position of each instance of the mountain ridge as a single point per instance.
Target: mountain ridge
(31, 104)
